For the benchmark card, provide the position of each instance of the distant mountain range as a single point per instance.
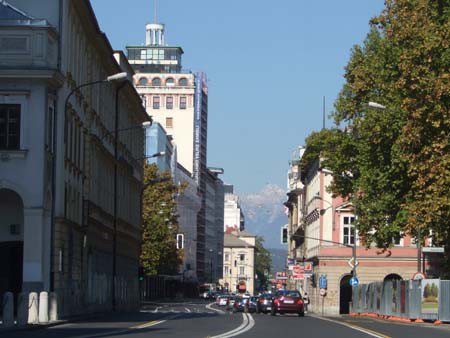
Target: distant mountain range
(264, 214)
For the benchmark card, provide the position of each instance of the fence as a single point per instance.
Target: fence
(409, 300)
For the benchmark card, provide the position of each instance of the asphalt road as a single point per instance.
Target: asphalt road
(198, 320)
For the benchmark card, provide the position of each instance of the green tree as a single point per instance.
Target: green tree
(159, 254)
(263, 262)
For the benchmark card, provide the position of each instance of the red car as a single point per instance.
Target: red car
(288, 301)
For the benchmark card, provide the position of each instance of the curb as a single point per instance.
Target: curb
(395, 318)
(31, 327)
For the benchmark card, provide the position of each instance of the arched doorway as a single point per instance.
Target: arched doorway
(11, 241)
(345, 294)
(392, 276)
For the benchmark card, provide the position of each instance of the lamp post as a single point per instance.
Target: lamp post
(323, 210)
(211, 263)
(379, 106)
(112, 78)
(329, 172)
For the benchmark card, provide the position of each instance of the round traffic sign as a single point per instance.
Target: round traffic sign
(354, 281)
(418, 275)
(323, 292)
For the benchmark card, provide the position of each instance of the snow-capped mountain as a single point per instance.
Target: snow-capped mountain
(264, 214)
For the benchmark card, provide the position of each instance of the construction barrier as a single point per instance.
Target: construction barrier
(412, 300)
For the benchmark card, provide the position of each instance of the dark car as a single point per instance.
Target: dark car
(264, 303)
(244, 304)
(230, 302)
(288, 301)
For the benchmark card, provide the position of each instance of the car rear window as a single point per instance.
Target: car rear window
(292, 293)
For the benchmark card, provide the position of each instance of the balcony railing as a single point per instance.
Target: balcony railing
(28, 44)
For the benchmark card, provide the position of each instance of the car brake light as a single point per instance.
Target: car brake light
(300, 302)
(277, 302)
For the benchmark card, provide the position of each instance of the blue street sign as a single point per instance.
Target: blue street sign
(354, 281)
(323, 282)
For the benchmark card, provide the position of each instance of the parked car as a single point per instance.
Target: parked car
(288, 301)
(264, 303)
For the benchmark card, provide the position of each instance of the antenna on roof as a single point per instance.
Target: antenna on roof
(323, 113)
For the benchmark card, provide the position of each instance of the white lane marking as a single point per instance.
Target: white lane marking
(187, 310)
(247, 324)
(354, 327)
(213, 309)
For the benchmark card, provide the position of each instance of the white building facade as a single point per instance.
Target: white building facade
(234, 216)
(61, 224)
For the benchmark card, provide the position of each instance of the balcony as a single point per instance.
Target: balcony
(27, 45)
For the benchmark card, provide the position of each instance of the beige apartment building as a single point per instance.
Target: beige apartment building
(178, 100)
(322, 231)
(239, 262)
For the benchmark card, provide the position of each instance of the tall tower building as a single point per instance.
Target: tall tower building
(178, 100)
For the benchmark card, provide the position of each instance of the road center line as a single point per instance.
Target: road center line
(211, 308)
(154, 322)
(247, 324)
(355, 327)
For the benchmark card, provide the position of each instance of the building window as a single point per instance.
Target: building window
(143, 81)
(10, 126)
(398, 240)
(183, 82)
(348, 229)
(169, 102)
(156, 102)
(241, 271)
(156, 82)
(170, 81)
(242, 257)
(169, 122)
(144, 101)
(226, 270)
(227, 257)
(183, 102)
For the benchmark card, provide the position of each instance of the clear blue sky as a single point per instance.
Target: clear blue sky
(269, 64)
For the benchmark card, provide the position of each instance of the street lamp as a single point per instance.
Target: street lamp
(112, 78)
(379, 106)
(329, 172)
(323, 210)
(376, 105)
(211, 263)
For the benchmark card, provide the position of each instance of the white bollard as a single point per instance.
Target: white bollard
(33, 302)
(22, 308)
(43, 307)
(53, 307)
(8, 309)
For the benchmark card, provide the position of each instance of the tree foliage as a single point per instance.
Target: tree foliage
(399, 158)
(263, 261)
(159, 254)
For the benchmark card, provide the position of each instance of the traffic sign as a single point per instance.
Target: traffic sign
(323, 292)
(352, 264)
(354, 281)
(418, 275)
(323, 282)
